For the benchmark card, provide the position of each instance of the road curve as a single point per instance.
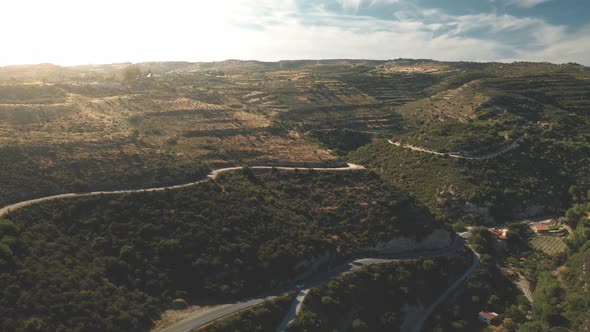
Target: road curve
(205, 317)
(211, 176)
(418, 324)
(458, 156)
(218, 312)
(318, 280)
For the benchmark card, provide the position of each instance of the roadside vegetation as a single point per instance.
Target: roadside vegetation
(556, 276)
(561, 298)
(261, 318)
(544, 111)
(115, 262)
(487, 289)
(378, 297)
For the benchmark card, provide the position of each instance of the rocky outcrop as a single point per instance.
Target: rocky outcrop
(438, 239)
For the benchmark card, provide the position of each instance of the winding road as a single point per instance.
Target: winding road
(211, 176)
(458, 156)
(417, 324)
(457, 245)
(205, 317)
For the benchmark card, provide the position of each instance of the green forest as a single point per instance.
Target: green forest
(113, 262)
(261, 318)
(23, 178)
(562, 299)
(374, 298)
(538, 173)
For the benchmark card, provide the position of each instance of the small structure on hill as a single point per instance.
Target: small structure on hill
(501, 234)
(487, 317)
(541, 229)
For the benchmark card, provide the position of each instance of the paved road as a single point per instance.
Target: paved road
(418, 324)
(320, 279)
(204, 317)
(7, 209)
(454, 155)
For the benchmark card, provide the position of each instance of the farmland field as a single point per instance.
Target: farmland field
(549, 244)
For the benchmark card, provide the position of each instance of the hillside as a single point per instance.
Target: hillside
(380, 297)
(561, 297)
(540, 108)
(114, 262)
(84, 128)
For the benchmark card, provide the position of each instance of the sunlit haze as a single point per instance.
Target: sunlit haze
(69, 32)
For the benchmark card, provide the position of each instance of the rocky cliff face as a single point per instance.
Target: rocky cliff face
(438, 239)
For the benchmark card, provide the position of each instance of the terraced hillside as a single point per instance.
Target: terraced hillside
(82, 128)
(544, 111)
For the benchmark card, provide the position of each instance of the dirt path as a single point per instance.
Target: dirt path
(211, 176)
(457, 156)
(524, 287)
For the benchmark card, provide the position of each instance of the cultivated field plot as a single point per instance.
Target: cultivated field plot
(549, 244)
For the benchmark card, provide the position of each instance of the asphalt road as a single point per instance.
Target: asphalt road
(7, 209)
(322, 278)
(418, 324)
(205, 317)
(458, 156)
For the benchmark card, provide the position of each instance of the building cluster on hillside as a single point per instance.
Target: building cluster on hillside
(551, 227)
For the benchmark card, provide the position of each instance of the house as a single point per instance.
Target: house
(501, 234)
(541, 229)
(487, 317)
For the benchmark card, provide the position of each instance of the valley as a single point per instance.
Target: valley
(125, 188)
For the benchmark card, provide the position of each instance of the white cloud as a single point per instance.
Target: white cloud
(526, 3)
(68, 32)
(558, 47)
(356, 4)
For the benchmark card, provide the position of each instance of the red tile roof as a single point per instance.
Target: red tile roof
(488, 315)
(500, 233)
(542, 228)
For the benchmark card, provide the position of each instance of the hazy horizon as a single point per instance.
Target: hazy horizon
(69, 33)
(267, 61)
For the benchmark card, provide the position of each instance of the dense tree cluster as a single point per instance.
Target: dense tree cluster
(539, 172)
(112, 262)
(487, 289)
(547, 112)
(23, 177)
(563, 304)
(375, 298)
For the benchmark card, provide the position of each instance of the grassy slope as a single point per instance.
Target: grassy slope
(546, 109)
(96, 130)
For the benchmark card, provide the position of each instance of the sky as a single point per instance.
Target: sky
(74, 32)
